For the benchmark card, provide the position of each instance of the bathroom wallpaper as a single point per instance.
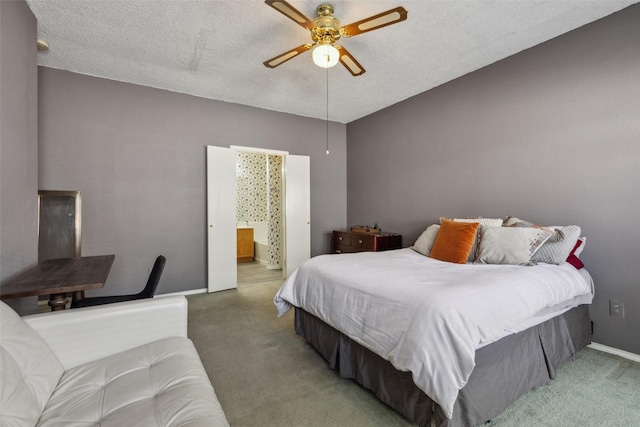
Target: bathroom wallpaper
(275, 211)
(251, 182)
(259, 197)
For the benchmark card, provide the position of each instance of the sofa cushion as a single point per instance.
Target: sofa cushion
(29, 371)
(158, 384)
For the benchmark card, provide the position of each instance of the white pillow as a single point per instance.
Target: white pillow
(424, 243)
(510, 245)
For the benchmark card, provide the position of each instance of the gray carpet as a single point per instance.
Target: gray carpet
(266, 375)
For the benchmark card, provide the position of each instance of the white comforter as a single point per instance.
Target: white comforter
(428, 316)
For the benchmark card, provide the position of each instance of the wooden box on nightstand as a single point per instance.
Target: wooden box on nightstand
(348, 241)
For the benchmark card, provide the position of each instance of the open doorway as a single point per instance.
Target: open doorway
(259, 214)
(223, 218)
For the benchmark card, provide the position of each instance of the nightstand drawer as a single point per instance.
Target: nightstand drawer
(362, 241)
(342, 239)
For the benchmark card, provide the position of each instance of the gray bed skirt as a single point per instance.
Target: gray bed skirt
(504, 371)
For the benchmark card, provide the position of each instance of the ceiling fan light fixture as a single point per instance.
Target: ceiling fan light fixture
(325, 55)
(326, 30)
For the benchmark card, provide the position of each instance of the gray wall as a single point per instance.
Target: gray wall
(18, 144)
(551, 135)
(138, 156)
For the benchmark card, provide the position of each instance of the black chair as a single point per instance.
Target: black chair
(148, 291)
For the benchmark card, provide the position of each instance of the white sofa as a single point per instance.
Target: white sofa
(124, 364)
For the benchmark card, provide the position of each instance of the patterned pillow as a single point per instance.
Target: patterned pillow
(511, 221)
(424, 243)
(493, 222)
(510, 245)
(558, 252)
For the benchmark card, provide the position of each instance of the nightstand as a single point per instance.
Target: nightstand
(348, 242)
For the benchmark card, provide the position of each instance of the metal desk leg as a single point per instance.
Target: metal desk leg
(58, 301)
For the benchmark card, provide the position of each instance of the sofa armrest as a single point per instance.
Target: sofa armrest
(84, 334)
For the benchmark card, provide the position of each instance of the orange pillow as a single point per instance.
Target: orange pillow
(454, 241)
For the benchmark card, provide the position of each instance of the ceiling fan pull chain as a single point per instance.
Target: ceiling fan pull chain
(327, 111)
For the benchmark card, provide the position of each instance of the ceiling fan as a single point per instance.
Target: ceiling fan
(326, 30)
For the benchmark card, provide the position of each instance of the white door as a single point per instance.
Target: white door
(221, 219)
(297, 212)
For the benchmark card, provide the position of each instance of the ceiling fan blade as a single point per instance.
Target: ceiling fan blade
(380, 20)
(291, 12)
(350, 62)
(284, 57)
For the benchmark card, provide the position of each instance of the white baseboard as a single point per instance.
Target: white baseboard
(617, 352)
(185, 293)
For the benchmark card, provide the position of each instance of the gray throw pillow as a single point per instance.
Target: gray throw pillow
(425, 241)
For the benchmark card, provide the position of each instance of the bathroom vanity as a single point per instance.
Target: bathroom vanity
(245, 244)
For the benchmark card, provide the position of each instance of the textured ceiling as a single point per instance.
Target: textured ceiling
(215, 49)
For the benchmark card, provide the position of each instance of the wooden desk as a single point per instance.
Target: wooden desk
(57, 277)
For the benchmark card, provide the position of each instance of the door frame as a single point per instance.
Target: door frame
(232, 276)
(259, 150)
(284, 155)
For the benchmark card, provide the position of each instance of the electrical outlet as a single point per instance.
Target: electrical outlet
(616, 308)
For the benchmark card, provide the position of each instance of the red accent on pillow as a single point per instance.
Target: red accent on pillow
(574, 260)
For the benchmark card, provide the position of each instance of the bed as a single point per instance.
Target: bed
(452, 344)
